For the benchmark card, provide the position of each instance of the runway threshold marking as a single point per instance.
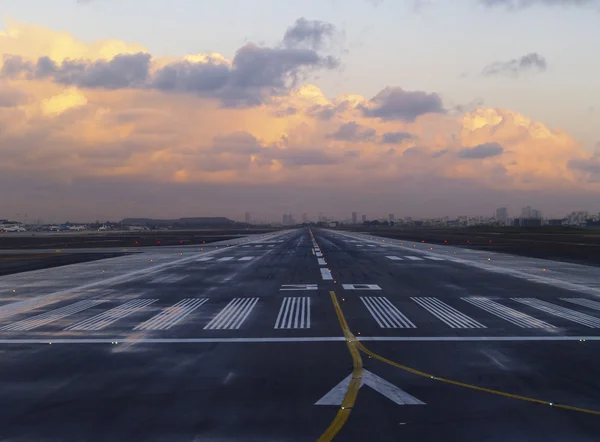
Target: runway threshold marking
(354, 345)
(355, 382)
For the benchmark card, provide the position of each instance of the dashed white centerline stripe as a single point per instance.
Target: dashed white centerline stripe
(204, 259)
(106, 318)
(447, 314)
(433, 258)
(172, 315)
(326, 274)
(225, 258)
(385, 313)
(51, 316)
(246, 258)
(508, 314)
(322, 262)
(561, 312)
(233, 315)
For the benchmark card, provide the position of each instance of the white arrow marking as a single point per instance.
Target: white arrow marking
(380, 385)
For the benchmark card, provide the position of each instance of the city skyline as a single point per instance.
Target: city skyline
(300, 108)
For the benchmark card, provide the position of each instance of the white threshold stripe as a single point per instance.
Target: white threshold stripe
(394, 258)
(385, 313)
(172, 315)
(414, 258)
(294, 313)
(108, 317)
(225, 258)
(446, 313)
(58, 340)
(233, 315)
(595, 305)
(508, 314)
(51, 316)
(561, 312)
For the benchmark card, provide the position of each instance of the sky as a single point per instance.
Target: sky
(131, 108)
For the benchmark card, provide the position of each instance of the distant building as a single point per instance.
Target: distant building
(305, 218)
(320, 216)
(502, 214)
(354, 217)
(285, 220)
(530, 212)
(247, 218)
(391, 217)
(364, 219)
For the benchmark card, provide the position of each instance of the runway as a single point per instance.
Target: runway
(302, 335)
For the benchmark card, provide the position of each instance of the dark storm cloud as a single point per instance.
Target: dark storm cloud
(590, 167)
(516, 4)
(439, 153)
(285, 112)
(244, 144)
(300, 157)
(308, 34)
(394, 103)
(10, 97)
(353, 132)
(529, 62)
(123, 71)
(240, 142)
(255, 75)
(485, 150)
(13, 65)
(395, 137)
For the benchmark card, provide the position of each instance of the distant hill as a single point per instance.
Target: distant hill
(196, 222)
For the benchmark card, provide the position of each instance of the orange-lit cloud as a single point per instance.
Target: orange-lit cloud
(96, 113)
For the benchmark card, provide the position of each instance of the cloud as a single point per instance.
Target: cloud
(311, 34)
(85, 135)
(519, 4)
(353, 132)
(514, 67)
(394, 103)
(68, 99)
(486, 150)
(11, 97)
(395, 137)
(256, 75)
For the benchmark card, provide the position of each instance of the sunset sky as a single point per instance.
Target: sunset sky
(119, 108)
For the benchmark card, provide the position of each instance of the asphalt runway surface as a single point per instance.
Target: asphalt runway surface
(302, 335)
(576, 245)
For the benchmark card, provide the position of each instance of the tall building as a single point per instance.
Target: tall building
(247, 218)
(354, 217)
(391, 217)
(526, 212)
(291, 219)
(502, 214)
(364, 219)
(285, 219)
